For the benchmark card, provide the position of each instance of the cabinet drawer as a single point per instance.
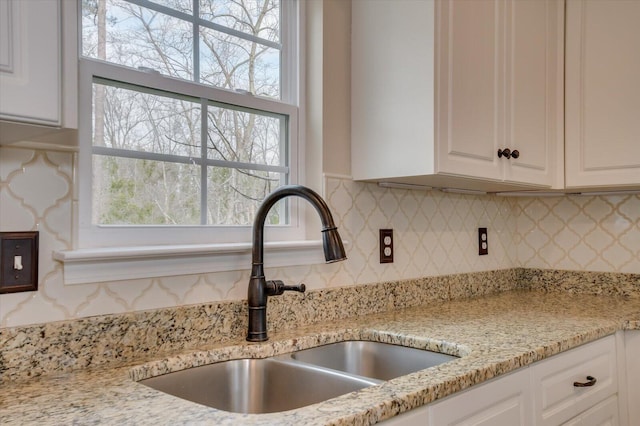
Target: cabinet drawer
(555, 396)
(603, 414)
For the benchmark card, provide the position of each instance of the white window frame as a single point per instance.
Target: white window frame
(109, 253)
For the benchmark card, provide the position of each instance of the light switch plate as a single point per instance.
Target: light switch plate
(18, 261)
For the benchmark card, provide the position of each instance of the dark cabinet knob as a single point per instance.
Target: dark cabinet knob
(507, 153)
(504, 152)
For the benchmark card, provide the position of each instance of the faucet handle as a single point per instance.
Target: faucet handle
(300, 288)
(277, 287)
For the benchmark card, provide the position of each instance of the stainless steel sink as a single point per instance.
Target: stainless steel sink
(257, 385)
(375, 360)
(294, 380)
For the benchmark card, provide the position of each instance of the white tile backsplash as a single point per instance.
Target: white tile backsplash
(434, 234)
(591, 233)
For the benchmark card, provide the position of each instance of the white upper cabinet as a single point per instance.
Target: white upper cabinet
(470, 88)
(32, 101)
(30, 61)
(602, 93)
(438, 87)
(534, 91)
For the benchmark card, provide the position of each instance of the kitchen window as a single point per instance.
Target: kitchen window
(191, 119)
(188, 118)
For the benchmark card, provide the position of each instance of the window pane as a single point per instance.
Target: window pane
(150, 164)
(260, 18)
(132, 120)
(144, 192)
(245, 137)
(233, 63)
(234, 196)
(137, 37)
(184, 6)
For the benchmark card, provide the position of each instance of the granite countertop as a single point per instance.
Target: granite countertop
(492, 334)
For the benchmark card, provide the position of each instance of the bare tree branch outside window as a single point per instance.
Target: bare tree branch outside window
(149, 164)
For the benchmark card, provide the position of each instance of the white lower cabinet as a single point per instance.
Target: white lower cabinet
(632, 359)
(504, 401)
(603, 414)
(416, 417)
(547, 393)
(558, 396)
(501, 402)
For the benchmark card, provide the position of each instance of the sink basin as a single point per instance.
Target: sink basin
(375, 360)
(256, 385)
(298, 379)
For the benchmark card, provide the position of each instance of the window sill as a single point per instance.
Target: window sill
(84, 266)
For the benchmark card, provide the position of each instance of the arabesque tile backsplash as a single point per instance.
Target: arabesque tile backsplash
(435, 234)
(591, 233)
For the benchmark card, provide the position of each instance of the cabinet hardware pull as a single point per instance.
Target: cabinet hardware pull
(591, 381)
(506, 153)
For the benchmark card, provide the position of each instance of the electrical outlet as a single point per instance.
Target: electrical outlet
(483, 242)
(18, 261)
(386, 246)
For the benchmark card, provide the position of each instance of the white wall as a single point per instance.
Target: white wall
(435, 232)
(435, 235)
(579, 233)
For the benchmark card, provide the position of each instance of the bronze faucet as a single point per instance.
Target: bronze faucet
(259, 287)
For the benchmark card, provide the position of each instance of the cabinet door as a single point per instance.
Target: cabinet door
(469, 89)
(505, 401)
(556, 398)
(632, 355)
(500, 86)
(602, 414)
(30, 61)
(602, 93)
(534, 82)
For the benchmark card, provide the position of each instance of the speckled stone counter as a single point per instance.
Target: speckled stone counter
(493, 334)
(111, 340)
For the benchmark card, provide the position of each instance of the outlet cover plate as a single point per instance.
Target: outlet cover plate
(386, 246)
(483, 242)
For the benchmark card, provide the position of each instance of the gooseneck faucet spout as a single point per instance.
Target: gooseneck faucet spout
(259, 287)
